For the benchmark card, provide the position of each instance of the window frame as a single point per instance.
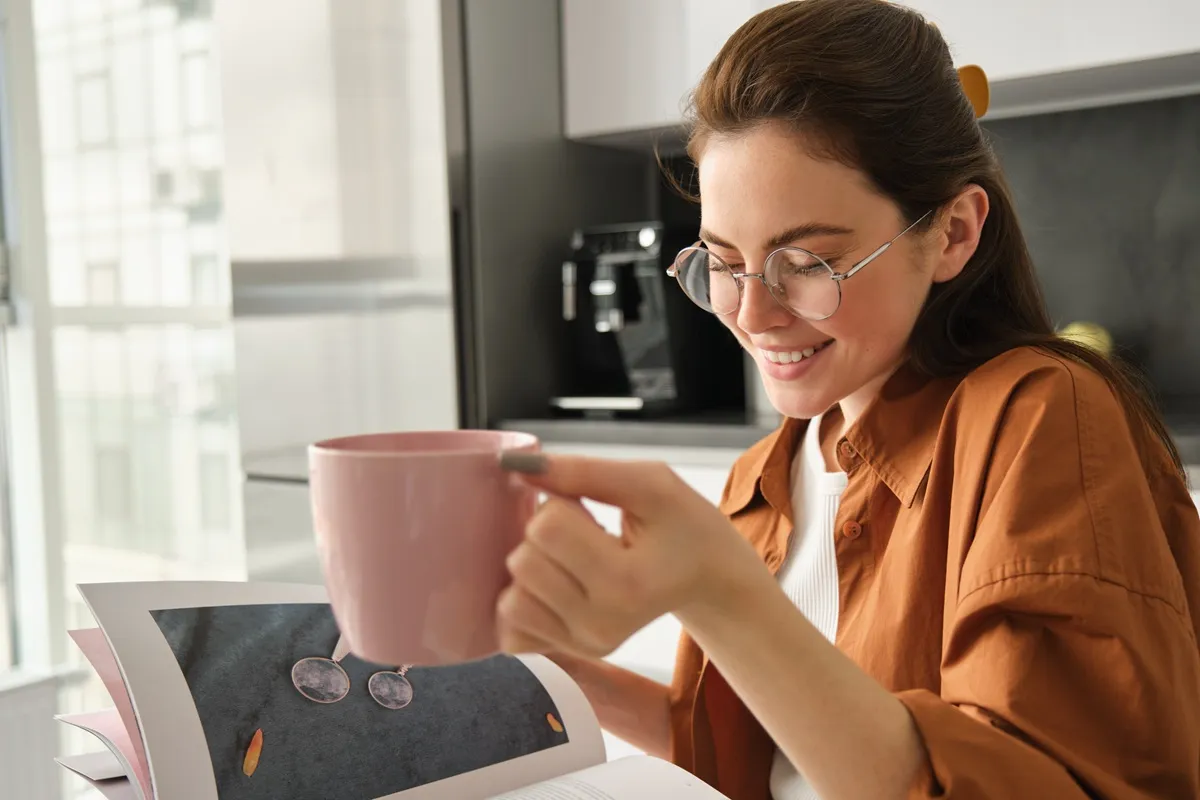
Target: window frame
(35, 531)
(32, 414)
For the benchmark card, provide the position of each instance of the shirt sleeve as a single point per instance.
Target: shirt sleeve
(1069, 664)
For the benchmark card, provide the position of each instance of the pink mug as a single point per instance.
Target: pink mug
(413, 530)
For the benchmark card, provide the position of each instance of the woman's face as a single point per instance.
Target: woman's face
(761, 190)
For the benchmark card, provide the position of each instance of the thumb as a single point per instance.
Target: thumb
(633, 486)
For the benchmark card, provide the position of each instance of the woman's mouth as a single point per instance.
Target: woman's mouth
(786, 365)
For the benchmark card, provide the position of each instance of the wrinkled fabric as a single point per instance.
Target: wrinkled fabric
(1015, 565)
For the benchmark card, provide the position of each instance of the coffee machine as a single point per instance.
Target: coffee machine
(636, 345)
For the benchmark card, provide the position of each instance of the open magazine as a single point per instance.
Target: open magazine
(243, 691)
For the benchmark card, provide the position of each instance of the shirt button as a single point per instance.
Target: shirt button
(848, 452)
(852, 530)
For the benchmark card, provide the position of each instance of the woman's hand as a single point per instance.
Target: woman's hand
(578, 589)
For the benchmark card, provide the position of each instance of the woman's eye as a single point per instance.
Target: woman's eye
(800, 268)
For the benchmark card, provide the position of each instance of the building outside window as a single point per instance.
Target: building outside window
(94, 114)
(139, 364)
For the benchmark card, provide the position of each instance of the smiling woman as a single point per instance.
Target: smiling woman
(962, 515)
(803, 224)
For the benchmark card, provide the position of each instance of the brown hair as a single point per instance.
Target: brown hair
(872, 85)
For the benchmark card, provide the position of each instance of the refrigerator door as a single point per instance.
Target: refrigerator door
(338, 213)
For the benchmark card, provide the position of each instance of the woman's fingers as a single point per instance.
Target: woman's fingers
(566, 533)
(637, 487)
(526, 624)
(546, 579)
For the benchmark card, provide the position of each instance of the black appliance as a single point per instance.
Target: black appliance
(636, 344)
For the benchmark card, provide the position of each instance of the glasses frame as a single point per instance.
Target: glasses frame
(402, 672)
(741, 277)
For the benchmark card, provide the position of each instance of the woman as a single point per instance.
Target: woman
(965, 564)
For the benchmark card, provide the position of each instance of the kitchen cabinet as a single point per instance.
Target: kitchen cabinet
(1022, 38)
(629, 65)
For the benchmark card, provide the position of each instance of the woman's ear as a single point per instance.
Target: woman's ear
(958, 229)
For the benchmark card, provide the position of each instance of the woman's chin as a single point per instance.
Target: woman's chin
(798, 404)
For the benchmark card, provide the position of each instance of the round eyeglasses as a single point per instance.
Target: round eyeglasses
(324, 680)
(800, 281)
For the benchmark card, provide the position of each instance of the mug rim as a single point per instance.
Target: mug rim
(330, 447)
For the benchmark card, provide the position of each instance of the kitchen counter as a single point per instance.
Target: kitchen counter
(725, 430)
(285, 465)
(713, 432)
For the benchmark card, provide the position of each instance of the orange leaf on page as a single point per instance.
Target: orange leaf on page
(252, 753)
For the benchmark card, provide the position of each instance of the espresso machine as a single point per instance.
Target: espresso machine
(636, 345)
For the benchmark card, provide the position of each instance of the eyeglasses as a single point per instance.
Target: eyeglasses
(799, 281)
(324, 680)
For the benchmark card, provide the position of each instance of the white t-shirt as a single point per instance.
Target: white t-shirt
(809, 573)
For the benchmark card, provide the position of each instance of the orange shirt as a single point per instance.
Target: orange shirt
(1014, 567)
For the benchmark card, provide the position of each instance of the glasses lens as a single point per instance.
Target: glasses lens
(390, 689)
(320, 680)
(707, 280)
(804, 283)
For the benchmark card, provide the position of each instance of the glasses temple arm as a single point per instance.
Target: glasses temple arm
(341, 650)
(918, 221)
(882, 249)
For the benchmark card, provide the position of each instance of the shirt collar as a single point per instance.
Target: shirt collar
(765, 470)
(895, 437)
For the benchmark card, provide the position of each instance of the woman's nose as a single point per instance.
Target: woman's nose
(760, 311)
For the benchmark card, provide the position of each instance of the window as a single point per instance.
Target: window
(206, 280)
(126, 106)
(215, 474)
(114, 495)
(193, 8)
(4, 277)
(104, 284)
(93, 109)
(7, 611)
(198, 103)
(164, 185)
(4, 266)
(7, 624)
(205, 205)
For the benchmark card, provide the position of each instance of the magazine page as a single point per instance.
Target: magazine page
(99, 766)
(94, 646)
(106, 725)
(103, 773)
(238, 695)
(632, 778)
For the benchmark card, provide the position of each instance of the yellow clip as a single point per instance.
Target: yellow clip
(975, 86)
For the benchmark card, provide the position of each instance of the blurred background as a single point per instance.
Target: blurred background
(231, 228)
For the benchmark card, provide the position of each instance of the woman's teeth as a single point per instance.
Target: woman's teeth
(788, 356)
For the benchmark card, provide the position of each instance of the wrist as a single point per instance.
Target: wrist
(727, 592)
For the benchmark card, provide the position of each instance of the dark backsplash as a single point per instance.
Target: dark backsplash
(1109, 200)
